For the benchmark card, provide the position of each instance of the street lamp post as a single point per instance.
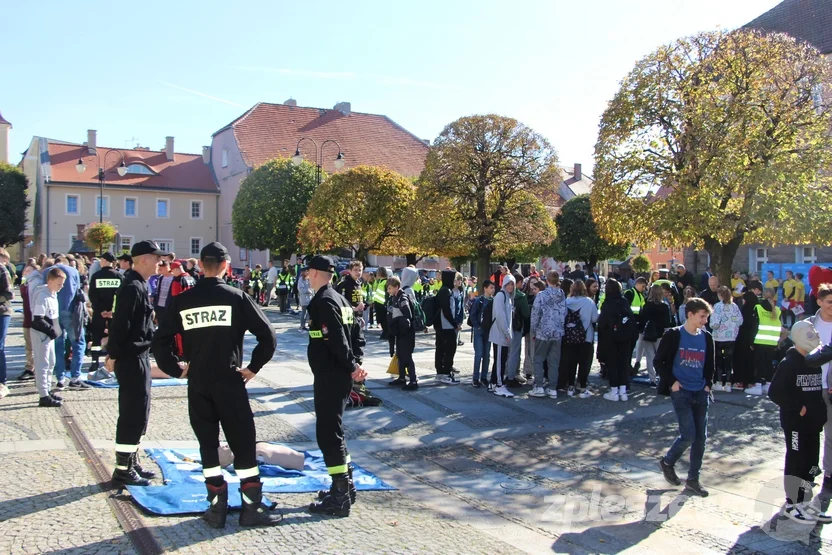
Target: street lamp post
(297, 159)
(81, 167)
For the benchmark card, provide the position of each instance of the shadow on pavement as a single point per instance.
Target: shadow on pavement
(23, 506)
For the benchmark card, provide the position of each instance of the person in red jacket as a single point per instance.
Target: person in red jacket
(182, 281)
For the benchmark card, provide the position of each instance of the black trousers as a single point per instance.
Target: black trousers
(133, 374)
(331, 392)
(223, 403)
(283, 299)
(405, 344)
(619, 358)
(763, 363)
(445, 351)
(802, 455)
(577, 358)
(381, 317)
(743, 362)
(97, 327)
(724, 361)
(498, 367)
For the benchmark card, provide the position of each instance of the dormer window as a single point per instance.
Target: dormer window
(139, 169)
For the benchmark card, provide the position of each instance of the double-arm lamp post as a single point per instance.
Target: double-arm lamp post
(80, 167)
(297, 159)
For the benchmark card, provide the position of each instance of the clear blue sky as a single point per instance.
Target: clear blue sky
(138, 72)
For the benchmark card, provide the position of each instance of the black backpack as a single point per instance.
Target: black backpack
(574, 332)
(430, 308)
(487, 318)
(651, 332)
(624, 330)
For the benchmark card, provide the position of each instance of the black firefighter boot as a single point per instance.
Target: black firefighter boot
(323, 493)
(337, 501)
(255, 513)
(127, 475)
(216, 513)
(141, 471)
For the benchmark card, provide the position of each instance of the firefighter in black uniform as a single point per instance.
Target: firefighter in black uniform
(128, 348)
(103, 286)
(336, 348)
(212, 319)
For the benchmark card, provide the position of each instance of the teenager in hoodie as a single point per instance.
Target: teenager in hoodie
(501, 334)
(616, 354)
(520, 328)
(798, 390)
(400, 314)
(446, 330)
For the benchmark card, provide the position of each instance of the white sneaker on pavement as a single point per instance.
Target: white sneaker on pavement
(716, 387)
(756, 389)
(570, 392)
(552, 393)
(765, 389)
(538, 392)
(611, 396)
(726, 388)
(503, 391)
(447, 380)
(520, 379)
(585, 394)
(623, 397)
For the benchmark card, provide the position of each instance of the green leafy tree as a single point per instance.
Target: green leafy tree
(483, 180)
(578, 237)
(271, 204)
(365, 208)
(13, 186)
(100, 235)
(717, 140)
(641, 264)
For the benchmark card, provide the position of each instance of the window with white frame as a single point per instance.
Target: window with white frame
(126, 243)
(162, 208)
(165, 244)
(196, 246)
(760, 258)
(662, 266)
(102, 206)
(140, 169)
(196, 209)
(225, 158)
(73, 205)
(131, 207)
(243, 255)
(809, 255)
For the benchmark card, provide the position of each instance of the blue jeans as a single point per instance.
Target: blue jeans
(4, 329)
(482, 354)
(77, 344)
(691, 409)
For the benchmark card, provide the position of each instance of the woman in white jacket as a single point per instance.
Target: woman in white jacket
(725, 323)
(501, 334)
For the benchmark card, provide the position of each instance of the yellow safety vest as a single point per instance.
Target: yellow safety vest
(380, 291)
(769, 331)
(638, 301)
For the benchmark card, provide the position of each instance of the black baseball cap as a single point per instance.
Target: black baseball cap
(322, 264)
(108, 256)
(126, 257)
(146, 247)
(214, 250)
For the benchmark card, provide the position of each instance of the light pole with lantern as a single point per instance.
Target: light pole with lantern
(81, 167)
(297, 159)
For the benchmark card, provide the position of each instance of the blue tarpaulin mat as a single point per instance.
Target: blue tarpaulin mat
(161, 382)
(184, 489)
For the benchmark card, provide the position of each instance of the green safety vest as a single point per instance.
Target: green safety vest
(768, 333)
(437, 285)
(285, 279)
(660, 281)
(638, 301)
(417, 287)
(380, 291)
(601, 300)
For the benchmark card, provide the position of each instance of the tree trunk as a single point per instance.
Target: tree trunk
(363, 255)
(413, 259)
(722, 257)
(510, 262)
(483, 267)
(590, 264)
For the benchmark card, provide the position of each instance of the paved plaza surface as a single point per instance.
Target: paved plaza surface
(475, 473)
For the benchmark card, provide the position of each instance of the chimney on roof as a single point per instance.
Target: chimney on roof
(81, 231)
(169, 148)
(578, 174)
(343, 107)
(91, 139)
(206, 154)
(5, 126)
(291, 102)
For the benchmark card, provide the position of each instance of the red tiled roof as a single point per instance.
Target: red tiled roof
(808, 20)
(186, 172)
(270, 130)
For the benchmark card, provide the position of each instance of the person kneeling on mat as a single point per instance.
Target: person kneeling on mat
(212, 319)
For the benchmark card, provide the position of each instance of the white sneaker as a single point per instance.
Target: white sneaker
(726, 388)
(520, 379)
(623, 397)
(765, 389)
(797, 513)
(611, 396)
(716, 387)
(537, 392)
(503, 391)
(570, 392)
(552, 393)
(4, 390)
(491, 387)
(585, 394)
(447, 380)
(756, 389)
